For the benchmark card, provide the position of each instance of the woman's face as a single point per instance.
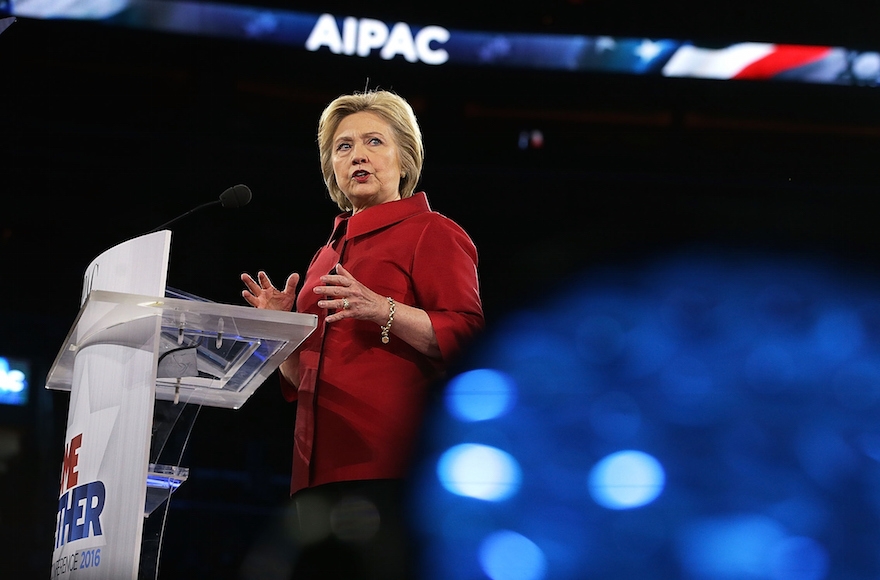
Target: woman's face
(366, 161)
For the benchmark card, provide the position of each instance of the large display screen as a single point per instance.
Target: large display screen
(432, 44)
(14, 381)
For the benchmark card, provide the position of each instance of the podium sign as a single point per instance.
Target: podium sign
(134, 342)
(98, 526)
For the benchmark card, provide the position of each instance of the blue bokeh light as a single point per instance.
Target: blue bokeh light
(507, 555)
(735, 547)
(479, 471)
(798, 558)
(751, 385)
(626, 479)
(480, 395)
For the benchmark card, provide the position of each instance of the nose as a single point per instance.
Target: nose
(358, 156)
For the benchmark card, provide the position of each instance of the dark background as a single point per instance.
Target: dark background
(105, 133)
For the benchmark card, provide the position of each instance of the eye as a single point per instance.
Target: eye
(375, 141)
(343, 146)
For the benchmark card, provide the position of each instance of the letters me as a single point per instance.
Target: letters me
(362, 36)
(69, 472)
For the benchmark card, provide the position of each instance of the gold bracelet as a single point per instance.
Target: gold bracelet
(387, 327)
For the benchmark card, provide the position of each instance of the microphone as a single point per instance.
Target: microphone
(235, 196)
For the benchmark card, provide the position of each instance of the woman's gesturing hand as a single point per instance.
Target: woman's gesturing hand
(350, 298)
(263, 294)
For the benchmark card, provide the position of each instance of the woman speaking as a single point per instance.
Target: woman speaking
(396, 293)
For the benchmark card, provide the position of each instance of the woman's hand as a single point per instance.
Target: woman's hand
(411, 325)
(265, 295)
(350, 298)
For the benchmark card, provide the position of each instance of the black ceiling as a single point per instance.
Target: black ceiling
(109, 132)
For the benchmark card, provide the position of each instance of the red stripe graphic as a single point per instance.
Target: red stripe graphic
(783, 57)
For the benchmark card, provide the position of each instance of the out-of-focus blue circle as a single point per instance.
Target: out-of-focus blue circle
(507, 555)
(754, 379)
(799, 558)
(479, 471)
(480, 395)
(626, 479)
(730, 548)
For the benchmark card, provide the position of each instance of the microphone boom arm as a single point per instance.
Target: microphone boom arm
(169, 222)
(235, 196)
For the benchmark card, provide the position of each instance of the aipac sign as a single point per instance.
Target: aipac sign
(361, 37)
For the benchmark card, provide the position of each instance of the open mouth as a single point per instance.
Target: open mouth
(361, 175)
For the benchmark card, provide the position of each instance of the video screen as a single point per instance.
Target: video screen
(14, 381)
(435, 44)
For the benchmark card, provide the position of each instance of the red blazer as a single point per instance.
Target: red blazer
(361, 402)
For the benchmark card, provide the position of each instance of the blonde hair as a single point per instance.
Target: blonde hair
(395, 111)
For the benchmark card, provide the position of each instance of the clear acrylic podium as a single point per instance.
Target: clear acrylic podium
(139, 367)
(209, 353)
